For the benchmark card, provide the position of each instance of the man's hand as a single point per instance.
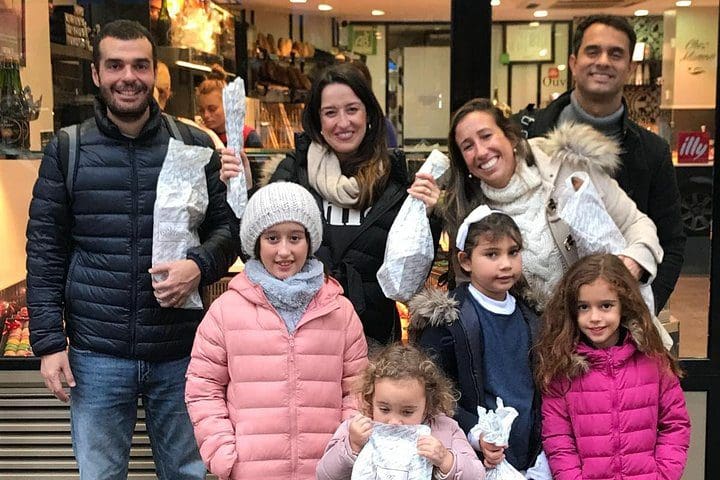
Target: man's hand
(181, 278)
(635, 269)
(54, 368)
(492, 453)
(360, 429)
(433, 449)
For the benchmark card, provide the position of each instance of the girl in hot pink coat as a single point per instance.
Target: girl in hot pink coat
(612, 403)
(274, 359)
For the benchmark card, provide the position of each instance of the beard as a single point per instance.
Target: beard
(127, 112)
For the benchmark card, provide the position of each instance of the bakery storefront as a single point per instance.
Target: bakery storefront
(426, 58)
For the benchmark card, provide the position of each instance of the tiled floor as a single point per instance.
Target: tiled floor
(689, 303)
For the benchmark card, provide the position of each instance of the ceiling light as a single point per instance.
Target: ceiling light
(683, 3)
(561, 67)
(534, 24)
(377, 13)
(641, 13)
(495, 3)
(540, 13)
(298, 1)
(324, 7)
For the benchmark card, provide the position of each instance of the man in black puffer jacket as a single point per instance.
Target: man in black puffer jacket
(601, 63)
(89, 254)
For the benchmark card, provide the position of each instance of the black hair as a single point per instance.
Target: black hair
(493, 227)
(371, 163)
(614, 21)
(122, 30)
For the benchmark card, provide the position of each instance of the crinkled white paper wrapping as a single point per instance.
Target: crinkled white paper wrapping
(180, 205)
(391, 454)
(409, 250)
(594, 231)
(234, 105)
(541, 469)
(494, 427)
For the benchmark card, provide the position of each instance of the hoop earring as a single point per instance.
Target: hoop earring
(470, 176)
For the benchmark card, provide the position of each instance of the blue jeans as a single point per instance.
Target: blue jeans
(103, 410)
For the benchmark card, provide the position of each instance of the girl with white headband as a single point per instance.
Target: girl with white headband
(481, 335)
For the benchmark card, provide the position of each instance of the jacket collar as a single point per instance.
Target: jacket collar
(615, 356)
(110, 129)
(548, 116)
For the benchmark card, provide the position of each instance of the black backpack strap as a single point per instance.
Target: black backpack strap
(69, 151)
(175, 129)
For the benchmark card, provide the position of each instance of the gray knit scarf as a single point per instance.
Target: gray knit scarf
(291, 296)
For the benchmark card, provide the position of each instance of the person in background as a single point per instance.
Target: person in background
(275, 358)
(601, 63)
(481, 335)
(612, 405)
(210, 108)
(402, 386)
(358, 185)
(89, 271)
(389, 127)
(163, 87)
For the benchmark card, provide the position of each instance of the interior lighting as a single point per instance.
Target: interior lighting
(377, 13)
(543, 52)
(495, 3)
(298, 1)
(641, 13)
(534, 24)
(683, 3)
(194, 66)
(561, 67)
(540, 13)
(324, 7)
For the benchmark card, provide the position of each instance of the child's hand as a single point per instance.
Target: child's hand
(360, 429)
(432, 449)
(492, 453)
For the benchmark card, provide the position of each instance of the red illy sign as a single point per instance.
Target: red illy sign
(693, 147)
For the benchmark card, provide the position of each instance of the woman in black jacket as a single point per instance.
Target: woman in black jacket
(343, 160)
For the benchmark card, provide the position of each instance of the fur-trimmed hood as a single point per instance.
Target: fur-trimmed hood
(582, 146)
(431, 308)
(585, 356)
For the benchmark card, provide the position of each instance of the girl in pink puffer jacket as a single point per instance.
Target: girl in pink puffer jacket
(275, 357)
(612, 403)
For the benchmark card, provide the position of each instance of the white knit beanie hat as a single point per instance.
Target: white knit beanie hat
(277, 203)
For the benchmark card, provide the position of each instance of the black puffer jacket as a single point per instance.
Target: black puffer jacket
(91, 257)
(356, 263)
(647, 175)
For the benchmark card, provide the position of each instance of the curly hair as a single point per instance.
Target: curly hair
(559, 335)
(400, 362)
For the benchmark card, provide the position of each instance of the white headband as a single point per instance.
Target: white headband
(475, 216)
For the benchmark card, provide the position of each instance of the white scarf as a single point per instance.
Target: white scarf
(523, 199)
(326, 178)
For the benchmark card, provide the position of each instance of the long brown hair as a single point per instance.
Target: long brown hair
(371, 165)
(400, 362)
(463, 193)
(560, 334)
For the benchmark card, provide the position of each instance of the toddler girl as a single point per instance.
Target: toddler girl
(482, 335)
(270, 376)
(612, 403)
(402, 386)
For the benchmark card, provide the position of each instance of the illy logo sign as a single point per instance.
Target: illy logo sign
(693, 147)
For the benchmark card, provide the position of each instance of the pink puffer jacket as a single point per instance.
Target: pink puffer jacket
(264, 404)
(339, 459)
(624, 419)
